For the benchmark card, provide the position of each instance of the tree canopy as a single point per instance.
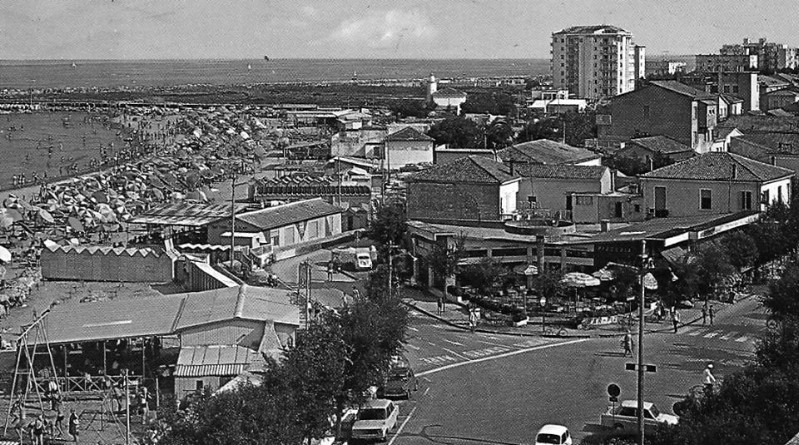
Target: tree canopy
(457, 132)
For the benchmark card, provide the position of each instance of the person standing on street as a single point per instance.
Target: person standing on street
(627, 343)
(472, 318)
(708, 379)
(440, 305)
(330, 267)
(675, 318)
(704, 313)
(711, 312)
(74, 424)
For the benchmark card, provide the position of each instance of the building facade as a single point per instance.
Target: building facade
(598, 61)
(711, 63)
(771, 56)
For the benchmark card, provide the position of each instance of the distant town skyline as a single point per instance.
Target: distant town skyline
(204, 29)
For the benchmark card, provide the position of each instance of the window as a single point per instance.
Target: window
(637, 208)
(289, 236)
(735, 89)
(585, 200)
(275, 238)
(198, 385)
(779, 193)
(705, 200)
(765, 197)
(646, 111)
(746, 200)
(532, 199)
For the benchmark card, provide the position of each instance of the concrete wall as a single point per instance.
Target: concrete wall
(603, 207)
(653, 111)
(402, 153)
(445, 156)
(449, 201)
(187, 385)
(508, 196)
(84, 265)
(299, 232)
(683, 196)
(552, 193)
(632, 150)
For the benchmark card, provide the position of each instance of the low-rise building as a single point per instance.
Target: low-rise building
(449, 98)
(551, 187)
(406, 147)
(712, 183)
(712, 63)
(471, 189)
(645, 148)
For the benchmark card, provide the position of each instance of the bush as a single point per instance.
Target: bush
(518, 315)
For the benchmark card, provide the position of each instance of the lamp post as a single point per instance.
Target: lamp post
(645, 266)
(543, 303)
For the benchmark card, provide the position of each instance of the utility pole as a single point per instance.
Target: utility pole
(644, 259)
(391, 247)
(127, 409)
(232, 218)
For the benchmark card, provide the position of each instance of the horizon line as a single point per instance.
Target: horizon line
(293, 58)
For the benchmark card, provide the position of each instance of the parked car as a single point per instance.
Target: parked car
(625, 417)
(400, 380)
(375, 420)
(552, 434)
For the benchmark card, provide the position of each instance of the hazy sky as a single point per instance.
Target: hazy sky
(157, 29)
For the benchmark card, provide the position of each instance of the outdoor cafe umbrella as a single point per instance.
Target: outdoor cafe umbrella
(604, 274)
(46, 216)
(76, 224)
(5, 255)
(579, 279)
(650, 283)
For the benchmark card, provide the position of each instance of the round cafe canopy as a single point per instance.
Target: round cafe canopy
(579, 279)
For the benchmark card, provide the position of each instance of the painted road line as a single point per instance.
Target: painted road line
(427, 390)
(690, 329)
(729, 336)
(437, 360)
(492, 337)
(413, 329)
(694, 333)
(413, 347)
(499, 356)
(431, 343)
(391, 442)
(742, 339)
(493, 343)
(452, 342)
(455, 353)
(528, 343)
(711, 334)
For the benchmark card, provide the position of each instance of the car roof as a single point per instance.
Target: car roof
(634, 404)
(377, 403)
(553, 429)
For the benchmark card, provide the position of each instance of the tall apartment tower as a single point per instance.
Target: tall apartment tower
(598, 61)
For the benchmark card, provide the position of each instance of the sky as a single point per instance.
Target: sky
(388, 29)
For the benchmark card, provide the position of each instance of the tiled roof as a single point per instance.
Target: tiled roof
(762, 124)
(468, 169)
(593, 29)
(661, 144)
(449, 92)
(771, 81)
(561, 171)
(544, 151)
(283, 215)
(683, 89)
(719, 166)
(730, 99)
(185, 214)
(772, 143)
(408, 134)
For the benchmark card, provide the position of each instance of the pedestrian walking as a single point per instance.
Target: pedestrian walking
(144, 404)
(330, 267)
(18, 425)
(472, 318)
(708, 379)
(37, 430)
(627, 343)
(704, 314)
(74, 425)
(440, 305)
(675, 318)
(59, 423)
(711, 313)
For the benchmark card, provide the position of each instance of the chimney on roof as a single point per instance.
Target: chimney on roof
(604, 225)
(774, 160)
(510, 164)
(734, 171)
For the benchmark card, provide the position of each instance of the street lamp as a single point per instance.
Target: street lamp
(543, 302)
(646, 264)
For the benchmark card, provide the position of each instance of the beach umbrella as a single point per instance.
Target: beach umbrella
(579, 279)
(604, 274)
(74, 241)
(100, 197)
(76, 224)
(650, 283)
(5, 255)
(159, 195)
(46, 216)
(50, 244)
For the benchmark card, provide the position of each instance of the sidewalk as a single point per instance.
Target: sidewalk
(456, 315)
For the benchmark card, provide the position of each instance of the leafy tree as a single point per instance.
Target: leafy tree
(579, 127)
(458, 132)
(540, 129)
(315, 368)
(498, 103)
(547, 283)
(626, 282)
(781, 298)
(409, 108)
(389, 224)
(499, 135)
(483, 275)
(713, 265)
(741, 249)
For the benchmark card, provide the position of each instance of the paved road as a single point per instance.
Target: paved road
(492, 389)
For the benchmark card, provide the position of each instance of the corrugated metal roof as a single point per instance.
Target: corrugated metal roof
(119, 318)
(218, 360)
(283, 215)
(149, 316)
(185, 214)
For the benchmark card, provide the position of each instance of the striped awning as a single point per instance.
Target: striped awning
(207, 370)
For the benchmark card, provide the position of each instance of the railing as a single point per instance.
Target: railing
(83, 384)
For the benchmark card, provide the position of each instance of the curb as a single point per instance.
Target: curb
(486, 331)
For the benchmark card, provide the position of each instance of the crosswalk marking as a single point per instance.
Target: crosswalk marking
(695, 333)
(691, 330)
(711, 334)
(729, 336)
(452, 342)
(413, 329)
(455, 353)
(413, 347)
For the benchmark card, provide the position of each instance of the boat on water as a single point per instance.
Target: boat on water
(73, 65)
(249, 67)
(266, 58)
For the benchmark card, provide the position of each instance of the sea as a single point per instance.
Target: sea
(40, 74)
